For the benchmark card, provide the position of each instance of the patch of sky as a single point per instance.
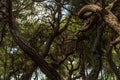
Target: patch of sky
(40, 75)
(12, 50)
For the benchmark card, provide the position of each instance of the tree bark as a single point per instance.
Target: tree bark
(106, 14)
(49, 71)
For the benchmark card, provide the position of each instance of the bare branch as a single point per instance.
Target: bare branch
(88, 8)
(107, 15)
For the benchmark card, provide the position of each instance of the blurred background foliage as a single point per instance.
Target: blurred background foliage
(71, 52)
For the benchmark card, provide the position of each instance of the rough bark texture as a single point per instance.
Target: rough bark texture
(107, 15)
(111, 20)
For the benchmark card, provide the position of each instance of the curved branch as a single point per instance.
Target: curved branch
(106, 14)
(90, 24)
(112, 20)
(50, 72)
(88, 8)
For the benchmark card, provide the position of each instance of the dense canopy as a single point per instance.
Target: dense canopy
(59, 39)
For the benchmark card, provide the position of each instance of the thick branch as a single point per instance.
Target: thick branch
(48, 44)
(88, 8)
(107, 15)
(32, 53)
(112, 20)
